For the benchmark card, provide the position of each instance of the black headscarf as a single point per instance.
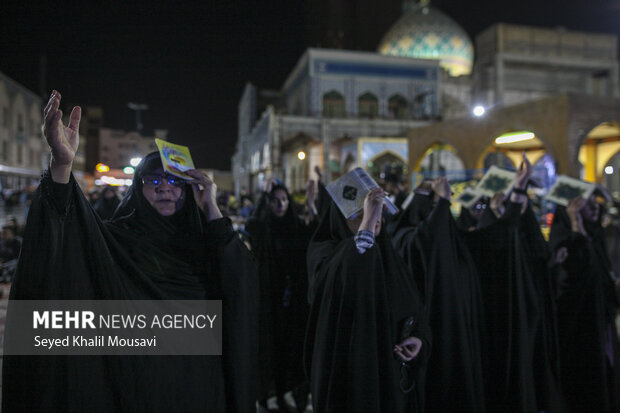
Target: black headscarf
(359, 305)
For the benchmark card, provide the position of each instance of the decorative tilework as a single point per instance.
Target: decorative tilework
(426, 33)
(322, 67)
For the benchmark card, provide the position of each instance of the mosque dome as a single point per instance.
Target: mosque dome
(424, 32)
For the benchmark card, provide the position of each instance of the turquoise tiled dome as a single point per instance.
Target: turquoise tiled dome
(424, 32)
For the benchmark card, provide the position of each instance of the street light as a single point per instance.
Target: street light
(301, 155)
(135, 161)
(100, 167)
(479, 110)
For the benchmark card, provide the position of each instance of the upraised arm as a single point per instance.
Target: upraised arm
(523, 175)
(62, 140)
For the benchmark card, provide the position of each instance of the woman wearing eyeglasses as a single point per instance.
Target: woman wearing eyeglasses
(166, 240)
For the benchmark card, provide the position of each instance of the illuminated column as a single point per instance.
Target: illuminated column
(590, 149)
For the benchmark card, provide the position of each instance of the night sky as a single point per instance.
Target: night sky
(189, 61)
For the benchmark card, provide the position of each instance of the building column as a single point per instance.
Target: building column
(591, 152)
(275, 142)
(499, 79)
(326, 141)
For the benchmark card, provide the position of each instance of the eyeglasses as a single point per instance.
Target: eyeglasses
(154, 181)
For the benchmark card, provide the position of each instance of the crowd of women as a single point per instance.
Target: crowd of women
(406, 313)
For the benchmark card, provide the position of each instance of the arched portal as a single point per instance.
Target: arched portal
(611, 175)
(387, 162)
(505, 151)
(442, 160)
(600, 146)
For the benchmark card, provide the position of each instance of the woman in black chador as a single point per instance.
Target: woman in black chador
(107, 203)
(587, 307)
(167, 240)
(427, 237)
(510, 303)
(279, 241)
(365, 331)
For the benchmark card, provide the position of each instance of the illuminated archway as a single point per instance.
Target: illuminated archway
(601, 144)
(512, 144)
(611, 176)
(387, 162)
(441, 160)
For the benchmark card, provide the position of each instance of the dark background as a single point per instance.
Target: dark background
(190, 60)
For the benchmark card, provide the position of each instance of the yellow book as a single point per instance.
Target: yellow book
(176, 159)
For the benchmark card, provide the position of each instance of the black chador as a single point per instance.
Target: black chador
(280, 244)
(360, 304)
(69, 253)
(106, 204)
(543, 324)
(510, 306)
(427, 237)
(587, 307)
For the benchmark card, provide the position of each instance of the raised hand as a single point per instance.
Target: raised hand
(62, 140)
(317, 171)
(441, 187)
(206, 198)
(497, 204)
(523, 173)
(373, 207)
(310, 192)
(573, 210)
(269, 183)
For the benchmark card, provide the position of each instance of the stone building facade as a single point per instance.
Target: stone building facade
(340, 109)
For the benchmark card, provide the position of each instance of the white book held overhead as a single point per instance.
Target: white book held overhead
(494, 181)
(349, 192)
(566, 188)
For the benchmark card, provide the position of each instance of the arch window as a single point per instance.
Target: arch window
(368, 105)
(333, 105)
(398, 107)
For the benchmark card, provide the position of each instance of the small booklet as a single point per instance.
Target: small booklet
(349, 192)
(176, 159)
(468, 197)
(567, 188)
(494, 181)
